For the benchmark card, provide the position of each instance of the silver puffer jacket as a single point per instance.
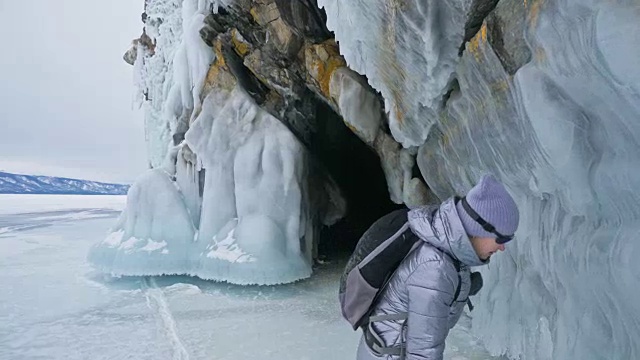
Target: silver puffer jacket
(424, 286)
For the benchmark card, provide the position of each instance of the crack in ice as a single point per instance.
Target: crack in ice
(157, 302)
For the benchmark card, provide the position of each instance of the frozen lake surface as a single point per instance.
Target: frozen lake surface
(53, 305)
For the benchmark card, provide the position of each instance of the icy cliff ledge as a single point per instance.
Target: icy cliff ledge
(154, 57)
(408, 50)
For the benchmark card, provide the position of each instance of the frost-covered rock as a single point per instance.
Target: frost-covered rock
(361, 110)
(407, 49)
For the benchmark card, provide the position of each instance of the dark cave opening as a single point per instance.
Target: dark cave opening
(356, 168)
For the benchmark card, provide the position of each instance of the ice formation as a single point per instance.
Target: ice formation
(164, 28)
(255, 224)
(152, 235)
(254, 201)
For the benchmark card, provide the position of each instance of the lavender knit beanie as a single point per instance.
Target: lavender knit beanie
(492, 202)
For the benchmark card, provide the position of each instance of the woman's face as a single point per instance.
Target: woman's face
(485, 246)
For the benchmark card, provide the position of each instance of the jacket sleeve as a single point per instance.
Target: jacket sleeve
(430, 293)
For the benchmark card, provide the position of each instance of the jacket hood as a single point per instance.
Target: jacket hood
(443, 229)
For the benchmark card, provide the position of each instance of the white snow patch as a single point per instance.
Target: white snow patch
(229, 250)
(153, 245)
(129, 244)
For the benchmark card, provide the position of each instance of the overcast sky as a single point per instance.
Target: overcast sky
(65, 93)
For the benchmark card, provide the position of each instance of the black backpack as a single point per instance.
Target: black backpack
(375, 259)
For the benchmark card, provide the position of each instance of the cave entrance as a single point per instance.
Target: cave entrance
(356, 168)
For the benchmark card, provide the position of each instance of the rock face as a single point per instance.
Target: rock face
(550, 104)
(543, 94)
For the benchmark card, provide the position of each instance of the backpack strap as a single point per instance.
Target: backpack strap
(385, 317)
(375, 343)
(366, 319)
(456, 263)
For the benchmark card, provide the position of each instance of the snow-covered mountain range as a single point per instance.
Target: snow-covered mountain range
(35, 184)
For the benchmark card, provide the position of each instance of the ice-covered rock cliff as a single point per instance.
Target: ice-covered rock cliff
(270, 119)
